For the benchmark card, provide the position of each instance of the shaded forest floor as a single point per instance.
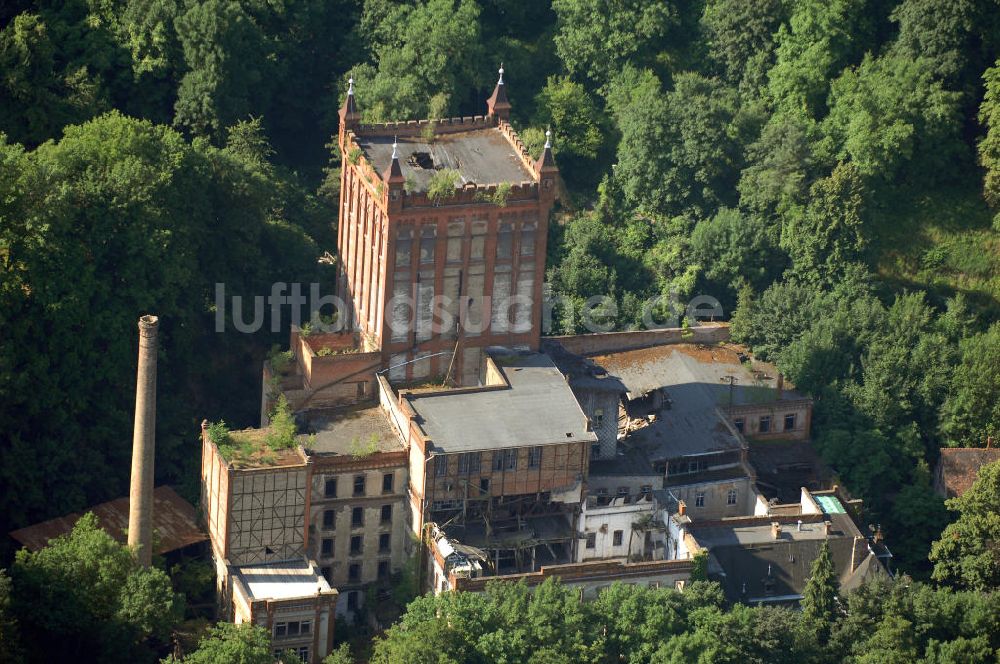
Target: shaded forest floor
(941, 241)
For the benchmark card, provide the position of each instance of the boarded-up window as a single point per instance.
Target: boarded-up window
(477, 250)
(504, 240)
(528, 240)
(404, 245)
(472, 320)
(500, 318)
(425, 294)
(456, 235)
(397, 368)
(422, 367)
(402, 309)
(524, 301)
(427, 241)
(450, 301)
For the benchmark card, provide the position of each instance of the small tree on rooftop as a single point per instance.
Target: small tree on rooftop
(442, 185)
(281, 433)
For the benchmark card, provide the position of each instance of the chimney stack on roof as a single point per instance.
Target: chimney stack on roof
(140, 497)
(681, 507)
(827, 527)
(775, 530)
(780, 386)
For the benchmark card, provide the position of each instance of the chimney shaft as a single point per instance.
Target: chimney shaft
(775, 530)
(140, 497)
(781, 386)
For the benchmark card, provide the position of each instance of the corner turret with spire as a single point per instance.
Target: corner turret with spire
(497, 105)
(349, 115)
(546, 169)
(393, 176)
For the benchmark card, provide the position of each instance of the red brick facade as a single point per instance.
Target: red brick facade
(451, 264)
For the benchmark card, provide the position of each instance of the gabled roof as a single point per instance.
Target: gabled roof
(774, 571)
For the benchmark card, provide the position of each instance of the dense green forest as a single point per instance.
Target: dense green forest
(829, 170)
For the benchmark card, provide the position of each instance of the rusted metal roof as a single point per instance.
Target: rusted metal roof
(959, 467)
(175, 523)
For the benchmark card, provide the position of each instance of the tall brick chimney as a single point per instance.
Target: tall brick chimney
(140, 497)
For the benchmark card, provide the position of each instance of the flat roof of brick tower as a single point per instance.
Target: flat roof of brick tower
(481, 156)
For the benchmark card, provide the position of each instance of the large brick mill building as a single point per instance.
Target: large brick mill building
(429, 271)
(438, 437)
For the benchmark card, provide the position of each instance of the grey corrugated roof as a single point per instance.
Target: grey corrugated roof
(538, 409)
(481, 156)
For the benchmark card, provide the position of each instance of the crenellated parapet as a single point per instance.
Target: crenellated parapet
(511, 135)
(406, 128)
(476, 194)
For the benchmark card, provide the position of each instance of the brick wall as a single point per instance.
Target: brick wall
(607, 342)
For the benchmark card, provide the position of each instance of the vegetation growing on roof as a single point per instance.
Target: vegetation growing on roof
(361, 450)
(498, 197)
(443, 184)
(279, 360)
(257, 447)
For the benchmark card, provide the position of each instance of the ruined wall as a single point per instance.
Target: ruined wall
(561, 466)
(332, 525)
(715, 504)
(594, 344)
(593, 577)
(477, 266)
(777, 414)
(267, 517)
(215, 495)
(601, 408)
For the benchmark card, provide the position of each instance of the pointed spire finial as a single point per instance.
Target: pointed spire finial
(500, 82)
(350, 86)
(548, 139)
(395, 155)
